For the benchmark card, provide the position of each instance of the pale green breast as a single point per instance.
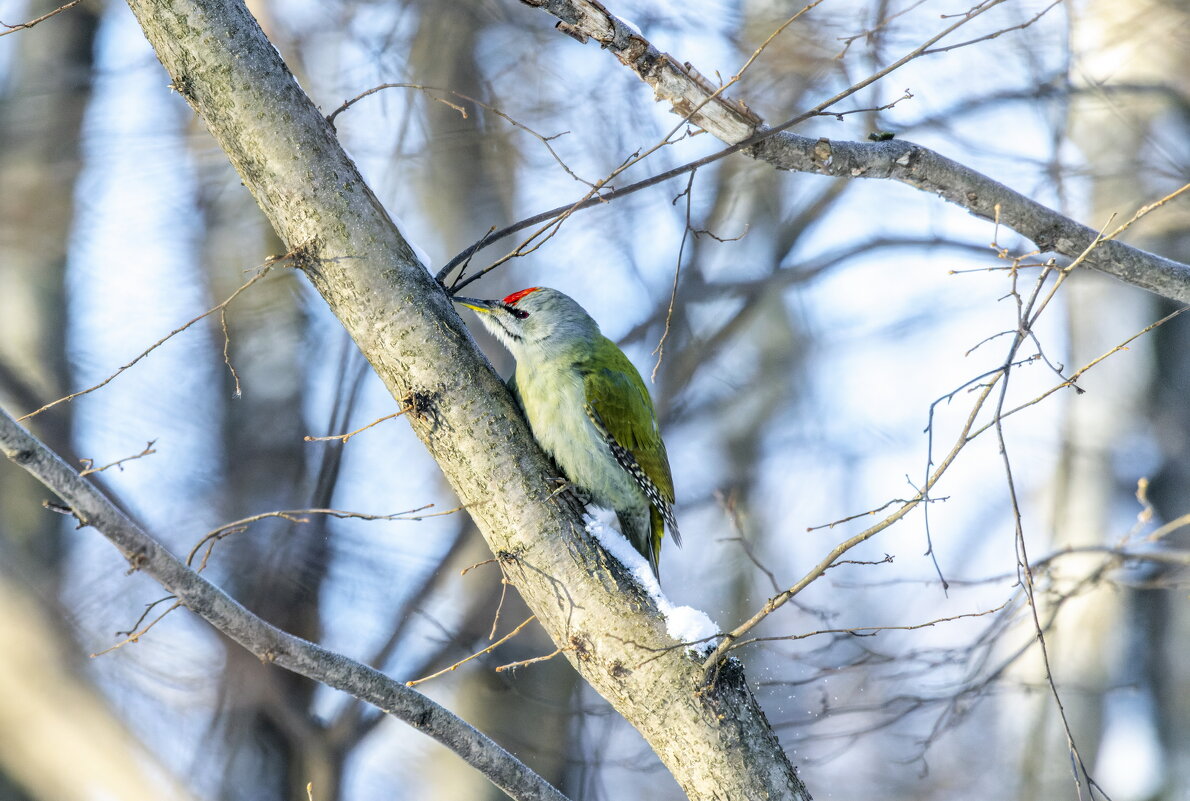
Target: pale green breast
(554, 395)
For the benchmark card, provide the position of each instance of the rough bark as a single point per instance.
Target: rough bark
(715, 740)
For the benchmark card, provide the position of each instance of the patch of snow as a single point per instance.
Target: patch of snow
(687, 624)
(683, 623)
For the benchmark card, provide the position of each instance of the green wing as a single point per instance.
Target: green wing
(620, 408)
(618, 395)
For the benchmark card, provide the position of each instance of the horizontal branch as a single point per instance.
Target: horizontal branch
(735, 124)
(265, 641)
(932, 172)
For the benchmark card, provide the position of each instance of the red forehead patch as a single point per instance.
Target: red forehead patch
(515, 296)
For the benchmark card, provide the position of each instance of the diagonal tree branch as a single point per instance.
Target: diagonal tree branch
(733, 123)
(714, 739)
(267, 642)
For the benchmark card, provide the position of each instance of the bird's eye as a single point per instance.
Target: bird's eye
(520, 314)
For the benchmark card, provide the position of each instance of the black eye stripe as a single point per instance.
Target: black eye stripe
(504, 326)
(520, 314)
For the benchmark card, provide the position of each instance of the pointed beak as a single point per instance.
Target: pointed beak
(474, 303)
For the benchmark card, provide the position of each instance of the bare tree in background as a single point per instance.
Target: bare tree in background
(1126, 654)
(775, 423)
(42, 104)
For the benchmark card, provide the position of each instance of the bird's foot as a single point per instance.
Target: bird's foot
(575, 496)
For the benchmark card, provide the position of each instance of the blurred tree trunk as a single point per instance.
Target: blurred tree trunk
(40, 119)
(53, 722)
(1117, 654)
(274, 745)
(1129, 136)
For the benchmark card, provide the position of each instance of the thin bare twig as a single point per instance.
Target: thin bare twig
(1165, 530)
(20, 26)
(136, 635)
(469, 568)
(499, 604)
(297, 516)
(330, 118)
(235, 377)
(264, 270)
(89, 468)
(996, 34)
(545, 140)
(149, 607)
(344, 437)
(869, 513)
(533, 661)
(1144, 210)
(868, 631)
(728, 504)
(659, 351)
(477, 654)
(839, 115)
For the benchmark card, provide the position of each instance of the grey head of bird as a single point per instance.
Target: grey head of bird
(537, 318)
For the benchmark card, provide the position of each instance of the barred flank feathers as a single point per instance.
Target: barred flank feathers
(627, 461)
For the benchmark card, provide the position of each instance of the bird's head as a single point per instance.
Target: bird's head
(534, 318)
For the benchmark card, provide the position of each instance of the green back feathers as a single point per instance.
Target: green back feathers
(619, 396)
